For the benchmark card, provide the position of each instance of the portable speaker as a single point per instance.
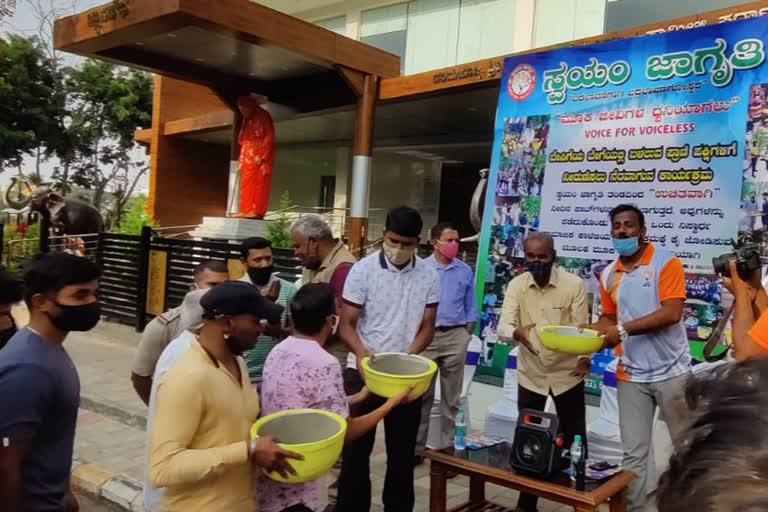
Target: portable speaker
(538, 446)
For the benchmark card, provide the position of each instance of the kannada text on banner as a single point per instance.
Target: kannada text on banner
(675, 123)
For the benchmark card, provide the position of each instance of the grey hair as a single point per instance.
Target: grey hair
(541, 236)
(313, 226)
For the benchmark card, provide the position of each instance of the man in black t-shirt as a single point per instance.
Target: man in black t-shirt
(40, 386)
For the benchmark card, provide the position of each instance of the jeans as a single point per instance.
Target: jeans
(400, 428)
(571, 412)
(637, 406)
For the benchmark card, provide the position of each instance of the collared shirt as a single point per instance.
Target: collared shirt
(339, 255)
(158, 332)
(255, 357)
(300, 374)
(333, 270)
(658, 276)
(199, 443)
(392, 300)
(457, 293)
(174, 350)
(561, 302)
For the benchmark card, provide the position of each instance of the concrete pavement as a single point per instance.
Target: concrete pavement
(110, 439)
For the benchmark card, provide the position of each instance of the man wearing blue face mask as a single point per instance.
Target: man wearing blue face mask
(642, 296)
(546, 295)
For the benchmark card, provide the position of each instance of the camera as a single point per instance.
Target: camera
(747, 258)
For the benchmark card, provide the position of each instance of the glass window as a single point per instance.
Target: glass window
(485, 29)
(560, 21)
(386, 28)
(433, 35)
(336, 24)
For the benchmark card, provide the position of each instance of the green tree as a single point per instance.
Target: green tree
(136, 216)
(29, 103)
(278, 229)
(107, 105)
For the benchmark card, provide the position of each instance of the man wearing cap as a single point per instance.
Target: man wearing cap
(166, 327)
(390, 305)
(200, 449)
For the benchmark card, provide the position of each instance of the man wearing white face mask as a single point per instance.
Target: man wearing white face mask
(456, 317)
(390, 305)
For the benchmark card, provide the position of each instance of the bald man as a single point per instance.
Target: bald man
(546, 295)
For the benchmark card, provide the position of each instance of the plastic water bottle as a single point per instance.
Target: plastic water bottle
(578, 464)
(460, 439)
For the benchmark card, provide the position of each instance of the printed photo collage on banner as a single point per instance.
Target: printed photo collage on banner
(674, 123)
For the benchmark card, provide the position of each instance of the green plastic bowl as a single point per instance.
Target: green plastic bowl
(316, 434)
(570, 340)
(390, 373)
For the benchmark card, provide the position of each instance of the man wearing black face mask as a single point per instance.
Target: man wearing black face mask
(11, 292)
(546, 295)
(256, 256)
(40, 388)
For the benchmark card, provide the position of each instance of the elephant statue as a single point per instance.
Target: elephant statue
(66, 216)
(476, 207)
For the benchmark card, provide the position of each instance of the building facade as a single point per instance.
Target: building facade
(433, 125)
(426, 35)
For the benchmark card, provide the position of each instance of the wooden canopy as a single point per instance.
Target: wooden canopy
(232, 46)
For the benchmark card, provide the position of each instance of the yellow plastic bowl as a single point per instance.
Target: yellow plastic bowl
(570, 339)
(316, 434)
(390, 373)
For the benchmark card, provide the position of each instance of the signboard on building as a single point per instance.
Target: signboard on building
(632, 13)
(676, 123)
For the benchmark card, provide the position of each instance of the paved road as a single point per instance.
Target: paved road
(90, 505)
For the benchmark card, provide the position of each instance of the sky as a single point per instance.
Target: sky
(25, 21)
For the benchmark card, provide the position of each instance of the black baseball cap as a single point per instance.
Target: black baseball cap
(238, 298)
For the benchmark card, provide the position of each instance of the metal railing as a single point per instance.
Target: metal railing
(20, 250)
(337, 218)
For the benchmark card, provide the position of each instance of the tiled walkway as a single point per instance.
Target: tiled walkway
(111, 423)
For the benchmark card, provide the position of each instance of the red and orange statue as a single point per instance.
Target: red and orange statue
(257, 155)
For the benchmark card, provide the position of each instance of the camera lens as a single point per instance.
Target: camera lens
(721, 265)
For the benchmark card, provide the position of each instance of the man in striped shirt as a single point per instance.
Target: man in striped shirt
(256, 256)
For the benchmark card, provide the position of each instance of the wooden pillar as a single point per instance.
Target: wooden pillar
(361, 165)
(233, 194)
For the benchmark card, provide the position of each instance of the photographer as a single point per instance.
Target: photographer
(750, 320)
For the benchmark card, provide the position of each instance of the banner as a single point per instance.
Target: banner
(675, 123)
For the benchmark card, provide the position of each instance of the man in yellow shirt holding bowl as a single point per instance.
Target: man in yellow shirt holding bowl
(546, 295)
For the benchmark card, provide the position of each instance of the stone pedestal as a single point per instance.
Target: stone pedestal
(228, 228)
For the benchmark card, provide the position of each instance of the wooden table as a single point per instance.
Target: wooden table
(492, 465)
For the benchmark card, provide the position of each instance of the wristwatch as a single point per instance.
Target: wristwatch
(623, 334)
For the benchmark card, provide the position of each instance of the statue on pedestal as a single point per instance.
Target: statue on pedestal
(257, 155)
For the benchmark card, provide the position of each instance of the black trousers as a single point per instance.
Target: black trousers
(401, 427)
(571, 412)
